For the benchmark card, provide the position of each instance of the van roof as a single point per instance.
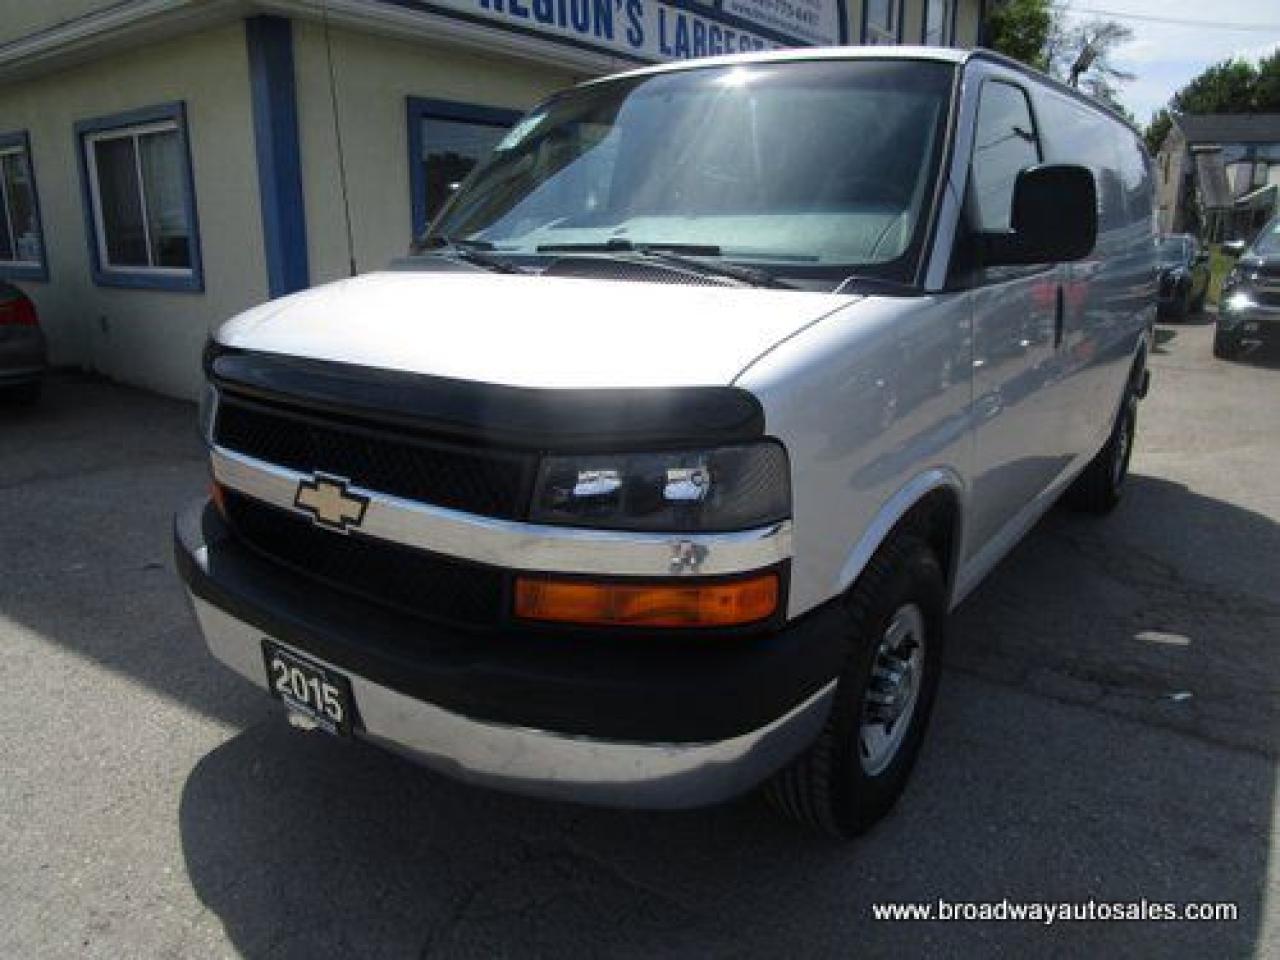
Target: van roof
(895, 52)
(791, 54)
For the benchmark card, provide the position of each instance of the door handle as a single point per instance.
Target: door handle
(1058, 318)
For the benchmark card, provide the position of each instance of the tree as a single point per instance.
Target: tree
(1082, 55)
(1226, 87)
(1020, 29)
(1232, 86)
(1159, 127)
(1267, 95)
(1043, 36)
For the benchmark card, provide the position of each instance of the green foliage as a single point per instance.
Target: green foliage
(1158, 129)
(1020, 29)
(1267, 93)
(1226, 87)
(1232, 86)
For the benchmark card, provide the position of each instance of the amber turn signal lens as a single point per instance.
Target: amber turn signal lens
(716, 604)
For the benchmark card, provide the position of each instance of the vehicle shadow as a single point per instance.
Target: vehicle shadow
(1066, 763)
(90, 477)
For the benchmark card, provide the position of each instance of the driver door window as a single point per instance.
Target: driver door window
(1004, 144)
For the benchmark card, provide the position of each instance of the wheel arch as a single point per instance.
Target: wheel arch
(931, 504)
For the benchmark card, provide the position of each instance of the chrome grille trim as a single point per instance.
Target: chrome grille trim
(521, 546)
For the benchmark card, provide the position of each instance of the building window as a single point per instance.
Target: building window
(140, 201)
(939, 23)
(21, 243)
(882, 22)
(446, 141)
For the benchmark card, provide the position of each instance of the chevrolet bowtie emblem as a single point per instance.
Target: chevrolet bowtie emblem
(330, 502)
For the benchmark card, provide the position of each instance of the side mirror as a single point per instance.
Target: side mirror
(1054, 217)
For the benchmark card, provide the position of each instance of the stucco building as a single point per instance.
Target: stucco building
(165, 164)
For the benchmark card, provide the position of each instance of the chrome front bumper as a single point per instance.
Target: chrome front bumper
(543, 763)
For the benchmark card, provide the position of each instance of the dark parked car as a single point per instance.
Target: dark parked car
(1249, 308)
(22, 347)
(1184, 276)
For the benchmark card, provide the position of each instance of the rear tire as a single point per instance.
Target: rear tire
(1197, 305)
(857, 768)
(1099, 488)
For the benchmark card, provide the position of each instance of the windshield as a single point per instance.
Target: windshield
(817, 169)
(1173, 250)
(1267, 243)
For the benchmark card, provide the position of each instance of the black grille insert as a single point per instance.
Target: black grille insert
(418, 583)
(493, 483)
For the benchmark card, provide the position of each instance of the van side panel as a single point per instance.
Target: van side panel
(1109, 297)
(866, 401)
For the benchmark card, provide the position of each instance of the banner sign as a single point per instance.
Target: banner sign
(658, 30)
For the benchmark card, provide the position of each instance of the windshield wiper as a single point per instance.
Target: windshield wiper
(469, 251)
(687, 255)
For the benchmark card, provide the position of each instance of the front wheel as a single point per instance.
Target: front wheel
(1226, 346)
(858, 767)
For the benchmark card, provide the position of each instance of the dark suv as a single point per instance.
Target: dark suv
(1249, 308)
(1184, 276)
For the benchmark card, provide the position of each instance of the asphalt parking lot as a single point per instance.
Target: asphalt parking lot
(1107, 729)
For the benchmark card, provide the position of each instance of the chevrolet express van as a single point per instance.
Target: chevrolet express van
(652, 475)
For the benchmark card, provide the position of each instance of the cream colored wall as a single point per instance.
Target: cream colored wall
(967, 20)
(19, 18)
(373, 77)
(912, 20)
(148, 337)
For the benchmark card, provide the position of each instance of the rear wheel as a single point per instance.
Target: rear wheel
(858, 767)
(1197, 304)
(1099, 488)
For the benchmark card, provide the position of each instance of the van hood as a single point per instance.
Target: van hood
(539, 332)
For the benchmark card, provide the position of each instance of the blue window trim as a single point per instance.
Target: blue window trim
(8, 269)
(901, 17)
(419, 109)
(192, 282)
(275, 138)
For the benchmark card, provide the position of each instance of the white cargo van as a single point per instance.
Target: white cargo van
(652, 475)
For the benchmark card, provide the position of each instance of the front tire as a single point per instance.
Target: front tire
(859, 765)
(1226, 346)
(1182, 310)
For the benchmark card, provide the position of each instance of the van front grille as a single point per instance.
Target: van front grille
(494, 483)
(419, 583)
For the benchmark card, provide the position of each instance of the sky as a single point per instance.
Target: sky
(1164, 56)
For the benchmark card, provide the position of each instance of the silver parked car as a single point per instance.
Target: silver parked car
(653, 474)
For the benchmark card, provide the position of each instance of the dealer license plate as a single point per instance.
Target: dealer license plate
(313, 690)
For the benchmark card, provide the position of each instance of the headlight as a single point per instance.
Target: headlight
(726, 488)
(1238, 301)
(208, 412)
